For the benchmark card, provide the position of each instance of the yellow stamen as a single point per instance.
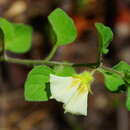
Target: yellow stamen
(84, 80)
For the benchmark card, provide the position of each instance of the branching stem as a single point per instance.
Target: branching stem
(52, 63)
(51, 54)
(43, 62)
(111, 70)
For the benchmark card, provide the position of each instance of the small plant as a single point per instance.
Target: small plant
(53, 79)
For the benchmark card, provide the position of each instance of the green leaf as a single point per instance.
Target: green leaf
(7, 30)
(124, 68)
(36, 88)
(105, 37)
(16, 37)
(128, 98)
(21, 43)
(113, 82)
(63, 27)
(127, 77)
(64, 70)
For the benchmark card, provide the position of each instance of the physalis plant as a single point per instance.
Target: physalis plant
(59, 80)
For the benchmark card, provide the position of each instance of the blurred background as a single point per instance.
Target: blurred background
(106, 110)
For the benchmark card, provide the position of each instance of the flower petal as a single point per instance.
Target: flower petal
(77, 104)
(61, 88)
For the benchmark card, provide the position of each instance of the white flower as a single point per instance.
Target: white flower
(72, 91)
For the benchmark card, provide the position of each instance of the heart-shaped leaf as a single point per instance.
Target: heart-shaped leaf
(16, 37)
(21, 43)
(36, 88)
(105, 37)
(63, 27)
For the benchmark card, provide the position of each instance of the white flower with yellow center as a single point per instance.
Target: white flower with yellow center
(72, 91)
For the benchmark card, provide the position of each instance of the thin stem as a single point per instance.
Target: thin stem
(51, 53)
(32, 62)
(43, 62)
(111, 70)
(91, 65)
(99, 59)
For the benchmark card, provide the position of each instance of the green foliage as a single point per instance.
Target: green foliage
(113, 82)
(23, 38)
(105, 37)
(122, 67)
(17, 37)
(116, 82)
(128, 98)
(64, 70)
(7, 30)
(36, 88)
(127, 77)
(63, 27)
(125, 69)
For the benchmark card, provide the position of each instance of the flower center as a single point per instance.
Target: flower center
(83, 81)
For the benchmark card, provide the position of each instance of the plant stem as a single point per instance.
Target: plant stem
(99, 59)
(32, 62)
(90, 65)
(111, 70)
(51, 54)
(43, 62)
